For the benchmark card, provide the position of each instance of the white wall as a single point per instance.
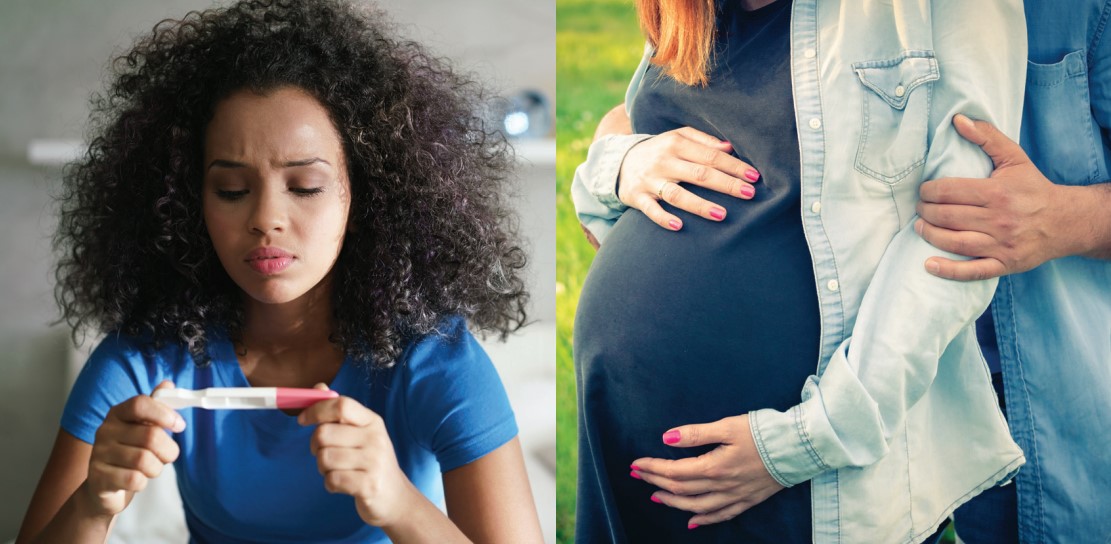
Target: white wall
(53, 55)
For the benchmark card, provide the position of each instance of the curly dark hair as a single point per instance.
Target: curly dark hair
(433, 233)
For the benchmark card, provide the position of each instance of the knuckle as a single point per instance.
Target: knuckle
(671, 192)
(700, 173)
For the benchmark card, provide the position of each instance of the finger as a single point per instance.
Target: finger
(338, 435)
(955, 216)
(149, 438)
(692, 133)
(976, 269)
(344, 410)
(714, 152)
(966, 191)
(718, 432)
(651, 208)
(961, 242)
(680, 487)
(686, 469)
(321, 386)
(112, 478)
(340, 458)
(708, 168)
(1002, 150)
(348, 482)
(143, 409)
(724, 514)
(699, 504)
(132, 458)
(685, 200)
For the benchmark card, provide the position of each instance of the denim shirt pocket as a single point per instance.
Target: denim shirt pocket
(895, 114)
(1057, 126)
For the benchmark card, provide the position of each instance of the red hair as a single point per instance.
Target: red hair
(682, 31)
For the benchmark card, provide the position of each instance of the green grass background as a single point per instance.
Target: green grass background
(598, 45)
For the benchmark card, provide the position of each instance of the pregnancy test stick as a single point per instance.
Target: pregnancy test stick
(243, 398)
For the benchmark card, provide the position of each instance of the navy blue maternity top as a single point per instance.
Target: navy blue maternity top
(712, 321)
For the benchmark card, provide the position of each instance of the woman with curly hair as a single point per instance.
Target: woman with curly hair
(282, 194)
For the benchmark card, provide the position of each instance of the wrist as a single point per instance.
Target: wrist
(87, 505)
(1083, 216)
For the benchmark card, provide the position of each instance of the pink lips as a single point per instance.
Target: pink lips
(269, 260)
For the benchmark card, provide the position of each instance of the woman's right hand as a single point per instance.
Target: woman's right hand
(130, 448)
(653, 169)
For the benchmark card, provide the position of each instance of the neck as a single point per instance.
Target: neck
(300, 324)
(749, 5)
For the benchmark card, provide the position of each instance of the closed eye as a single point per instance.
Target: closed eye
(306, 192)
(230, 195)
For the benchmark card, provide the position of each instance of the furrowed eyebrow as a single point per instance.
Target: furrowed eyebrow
(300, 162)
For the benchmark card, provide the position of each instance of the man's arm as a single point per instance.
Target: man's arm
(1012, 221)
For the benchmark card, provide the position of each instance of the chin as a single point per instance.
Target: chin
(273, 292)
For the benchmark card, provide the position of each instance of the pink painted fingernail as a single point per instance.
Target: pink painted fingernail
(748, 191)
(674, 224)
(656, 499)
(635, 475)
(717, 213)
(634, 467)
(672, 437)
(752, 175)
(692, 526)
(726, 142)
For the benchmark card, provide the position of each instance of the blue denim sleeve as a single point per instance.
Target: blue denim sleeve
(594, 188)
(907, 317)
(455, 403)
(116, 371)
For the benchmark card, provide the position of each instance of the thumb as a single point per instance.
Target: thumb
(686, 436)
(1003, 151)
(321, 386)
(166, 384)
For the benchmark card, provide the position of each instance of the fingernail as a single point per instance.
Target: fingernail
(671, 437)
(634, 467)
(726, 142)
(692, 526)
(717, 213)
(656, 500)
(933, 267)
(179, 424)
(634, 475)
(918, 226)
(752, 175)
(748, 191)
(674, 224)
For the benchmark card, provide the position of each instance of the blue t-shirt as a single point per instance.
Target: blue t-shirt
(248, 475)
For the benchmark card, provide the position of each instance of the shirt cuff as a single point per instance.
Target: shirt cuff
(785, 446)
(607, 154)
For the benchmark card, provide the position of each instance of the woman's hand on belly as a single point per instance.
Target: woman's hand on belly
(653, 169)
(717, 486)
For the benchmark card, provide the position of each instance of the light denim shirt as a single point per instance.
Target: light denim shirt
(1053, 323)
(899, 424)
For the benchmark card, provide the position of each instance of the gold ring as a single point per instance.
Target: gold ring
(660, 191)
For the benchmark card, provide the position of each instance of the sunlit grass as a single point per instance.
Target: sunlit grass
(598, 45)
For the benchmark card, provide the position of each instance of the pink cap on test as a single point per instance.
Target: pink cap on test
(293, 397)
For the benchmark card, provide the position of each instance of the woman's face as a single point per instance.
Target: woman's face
(276, 193)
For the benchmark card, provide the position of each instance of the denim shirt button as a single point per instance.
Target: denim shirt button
(810, 53)
(816, 207)
(900, 91)
(815, 123)
(833, 285)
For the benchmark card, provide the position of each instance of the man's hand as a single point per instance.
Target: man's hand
(1011, 222)
(717, 486)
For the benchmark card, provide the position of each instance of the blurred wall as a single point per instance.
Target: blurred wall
(54, 53)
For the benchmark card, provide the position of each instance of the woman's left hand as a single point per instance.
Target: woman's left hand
(718, 485)
(354, 453)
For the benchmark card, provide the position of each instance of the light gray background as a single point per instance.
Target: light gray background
(52, 56)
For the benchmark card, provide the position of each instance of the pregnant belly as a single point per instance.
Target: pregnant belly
(674, 328)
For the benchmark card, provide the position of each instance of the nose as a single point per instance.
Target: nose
(268, 214)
